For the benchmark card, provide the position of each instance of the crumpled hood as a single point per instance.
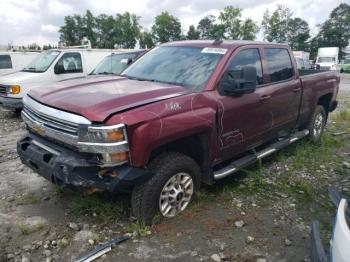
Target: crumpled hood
(96, 98)
(18, 78)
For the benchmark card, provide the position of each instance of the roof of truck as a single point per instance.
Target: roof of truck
(221, 44)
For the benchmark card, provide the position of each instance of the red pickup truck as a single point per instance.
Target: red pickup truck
(185, 113)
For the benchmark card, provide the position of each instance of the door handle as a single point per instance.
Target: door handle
(265, 97)
(297, 89)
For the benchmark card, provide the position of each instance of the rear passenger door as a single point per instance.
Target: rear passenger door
(282, 88)
(69, 65)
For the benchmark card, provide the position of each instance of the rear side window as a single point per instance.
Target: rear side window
(5, 62)
(279, 64)
(247, 57)
(71, 63)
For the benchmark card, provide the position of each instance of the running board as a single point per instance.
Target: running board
(249, 159)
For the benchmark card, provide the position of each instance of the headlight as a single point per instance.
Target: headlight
(15, 89)
(110, 142)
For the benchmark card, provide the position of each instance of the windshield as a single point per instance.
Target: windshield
(190, 67)
(42, 62)
(326, 59)
(113, 64)
(347, 61)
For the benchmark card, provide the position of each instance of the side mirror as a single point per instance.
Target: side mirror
(126, 62)
(59, 68)
(239, 81)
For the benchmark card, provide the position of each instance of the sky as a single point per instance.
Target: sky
(23, 22)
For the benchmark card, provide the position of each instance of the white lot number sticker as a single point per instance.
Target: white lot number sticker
(210, 50)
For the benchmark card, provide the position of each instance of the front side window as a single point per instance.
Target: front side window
(5, 62)
(279, 64)
(114, 64)
(247, 57)
(190, 67)
(69, 63)
(42, 62)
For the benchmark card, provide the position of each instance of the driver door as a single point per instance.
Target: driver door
(244, 119)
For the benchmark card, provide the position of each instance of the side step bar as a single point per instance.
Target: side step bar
(249, 159)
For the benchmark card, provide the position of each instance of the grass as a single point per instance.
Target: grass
(26, 229)
(137, 228)
(27, 199)
(62, 243)
(98, 205)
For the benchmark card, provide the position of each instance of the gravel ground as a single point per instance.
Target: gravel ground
(263, 214)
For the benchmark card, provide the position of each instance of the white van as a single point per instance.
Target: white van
(12, 61)
(50, 66)
(302, 59)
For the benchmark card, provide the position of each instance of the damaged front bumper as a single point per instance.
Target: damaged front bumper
(63, 166)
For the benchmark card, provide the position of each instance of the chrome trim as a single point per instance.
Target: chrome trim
(106, 128)
(55, 113)
(101, 148)
(47, 131)
(45, 147)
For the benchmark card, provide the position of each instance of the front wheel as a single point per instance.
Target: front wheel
(317, 124)
(170, 191)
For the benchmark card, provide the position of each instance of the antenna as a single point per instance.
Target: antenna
(217, 41)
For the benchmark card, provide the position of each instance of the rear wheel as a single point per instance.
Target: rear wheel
(170, 191)
(317, 124)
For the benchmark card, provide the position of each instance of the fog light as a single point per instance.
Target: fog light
(118, 157)
(16, 89)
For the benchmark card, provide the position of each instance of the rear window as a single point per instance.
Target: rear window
(5, 62)
(279, 64)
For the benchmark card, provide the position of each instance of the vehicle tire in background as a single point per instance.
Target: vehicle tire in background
(169, 192)
(317, 124)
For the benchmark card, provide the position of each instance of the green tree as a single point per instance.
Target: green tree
(105, 31)
(281, 27)
(192, 33)
(206, 27)
(126, 29)
(249, 29)
(146, 40)
(275, 26)
(335, 31)
(230, 17)
(166, 28)
(298, 34)
(89, 27)
(68, 31)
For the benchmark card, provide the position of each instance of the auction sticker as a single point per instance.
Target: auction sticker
(210, 50)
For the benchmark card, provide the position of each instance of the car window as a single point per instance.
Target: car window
(247, 57)
(71, 63)
(190, 67)
(5, 62)
(42, 62)
(279, 64)
(113, 64)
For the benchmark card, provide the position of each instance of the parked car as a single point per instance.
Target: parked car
(115, 63)
(345, 67)
(49, 67)
(14, 61)
(183, 114)
(327, 58)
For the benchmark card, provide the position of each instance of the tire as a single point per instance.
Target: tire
(174, 170)
(317, 124)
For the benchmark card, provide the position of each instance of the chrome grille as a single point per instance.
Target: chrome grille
(325, 68)
(53, 123)
(3, 89)
(50, 122)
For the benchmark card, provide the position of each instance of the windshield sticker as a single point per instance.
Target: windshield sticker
(209, 50)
